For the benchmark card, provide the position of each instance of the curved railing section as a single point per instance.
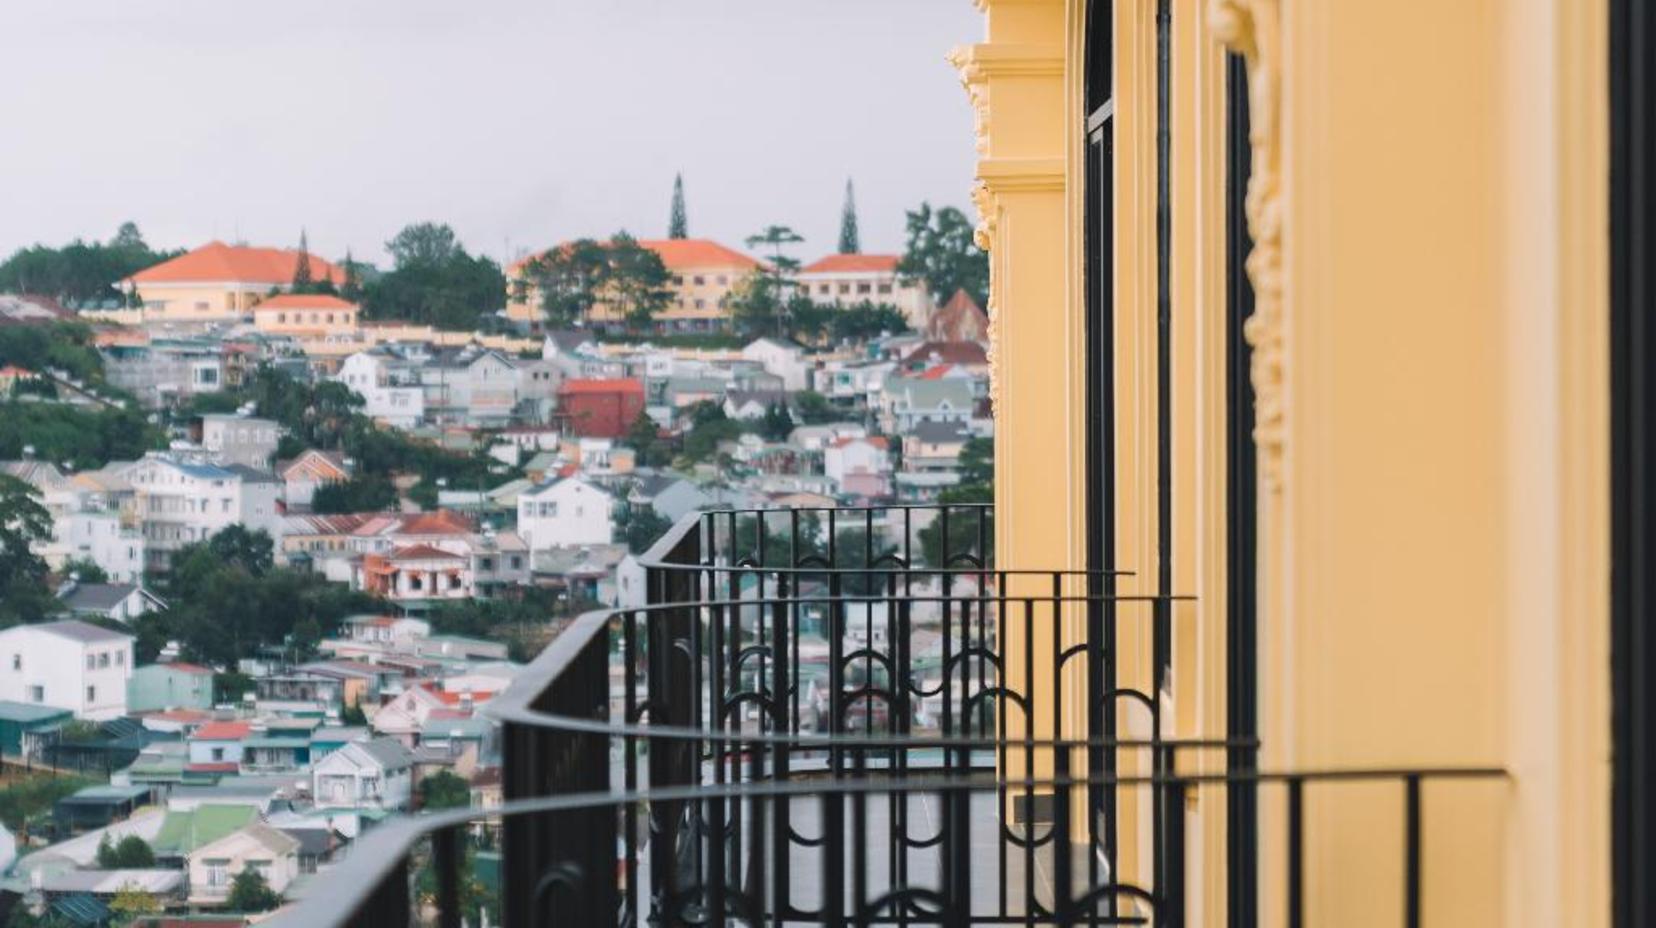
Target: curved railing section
(837, 717)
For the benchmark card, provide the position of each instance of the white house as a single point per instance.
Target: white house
(569, 511)
(119, 602)
(849, 456)
(272, 853)
(389, 387)
(364, 774)
(302, 475)
(181, 502)
(219, 743)
(99, 536)
(70, 664)
(234, 439)
(783, 359)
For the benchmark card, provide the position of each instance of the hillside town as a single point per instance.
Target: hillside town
(284, 545)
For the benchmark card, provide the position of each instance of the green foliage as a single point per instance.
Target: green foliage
(80, 271)
(813, 408)
(678, 224)
(66, 346)
(84, 437)
(638, 281)
(816, 322)
(977, 478)
(85, 570)
(435, 281)
(475, 896)
(444, 790)
(25, 800)
(303, 279)
(132, 853)
(848, 238)
(644, 437)
(777, 424)
(943, 252)
(362, 493)
(226, 599)
(353, 715)
(249, 892)
(131, 903)
(24, 596)
(492, 618)
(351, 289)
(709, 340)
(642, 526)
(977, 463)
(230, 686)
(709, 427)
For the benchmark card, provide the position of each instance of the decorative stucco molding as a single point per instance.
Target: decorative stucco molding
(1252, 28)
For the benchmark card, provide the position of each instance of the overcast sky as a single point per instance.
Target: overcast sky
(519, 122)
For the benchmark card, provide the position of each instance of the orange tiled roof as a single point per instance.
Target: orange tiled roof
(852, 264)
(304, 301)
(678, 254)
(217, 262)
(440, 522)
(424, 553)
(222, 731)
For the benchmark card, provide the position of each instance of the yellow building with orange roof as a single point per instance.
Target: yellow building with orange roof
(308, 317)
(703, 271)
(219, 281)
(847, 280)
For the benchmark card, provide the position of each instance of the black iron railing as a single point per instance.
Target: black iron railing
(841, 717)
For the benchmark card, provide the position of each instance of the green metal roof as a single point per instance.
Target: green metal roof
(183, 832)
(276, 742)
(30, 712)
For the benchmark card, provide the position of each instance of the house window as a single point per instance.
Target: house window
(120, 658)
(218, 754)
(517, 562)
(91, 662)
(700, 280)
(103, 660)
(865, 288)
(454, 581)
(723, 280)
(885, 288)
(37, 694)
(845, 288)
(91, 694)
(281, 318)
(218, 873)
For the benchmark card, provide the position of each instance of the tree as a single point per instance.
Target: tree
(638, 281)
(644, 437)
(24, 522)
(848, 243)
(131, 903)
(351, 289)
(977, 463)
(678, 225)
(643, 526)
(942, 252)
(777, 238)
(444, 790)
(302, 279)
(709, 427)
(435, 281)
(777, 424)
(813, 408)
(85, 570)
(249, 892)
(131, 853)
(362, 493)
(80, 272)
(569, 279)
(757, 305)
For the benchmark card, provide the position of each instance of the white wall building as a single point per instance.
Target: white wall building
(181, 502)
(375, 774)
(272, 853)
(240, 439)
(783, 359)
(846, 280)
(564, 512)
(71, 664)
(390, 388)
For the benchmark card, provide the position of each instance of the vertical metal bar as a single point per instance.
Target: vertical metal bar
(1296, 853)
(445, 862)
(1411, 853)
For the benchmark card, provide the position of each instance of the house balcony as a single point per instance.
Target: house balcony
(852, 716)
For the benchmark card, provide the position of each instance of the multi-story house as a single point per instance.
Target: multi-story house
(87, 523)
(303, 475)
(178, 685)
(389, 385)
(848, 280)
(376, 774)
(245, 440)
(69, 664)
(163, 371)
(309, 318)
(600, 408)
(849, 384)
(180, 502)
(219, 282)
(859, 466)
(785, 360)
(567, 511)
(905, 402)
(473, 387)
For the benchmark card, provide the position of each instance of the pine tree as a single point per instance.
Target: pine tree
(302, 280)
(848, 244)
(677, 225)
(352, 288)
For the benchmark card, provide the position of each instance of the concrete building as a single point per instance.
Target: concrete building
(267, 851)
(388, 384)
(70, 664)
(848, 280)
(600, 408)
(703, 273)
(160, 687)
(376, 774)
(568, 511)
(219, 282)
(245, 440)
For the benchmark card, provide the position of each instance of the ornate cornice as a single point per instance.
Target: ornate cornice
(1252, 29)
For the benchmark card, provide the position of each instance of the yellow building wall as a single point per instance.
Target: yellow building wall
(197, 302)
(715, 286)
(1429, 190)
